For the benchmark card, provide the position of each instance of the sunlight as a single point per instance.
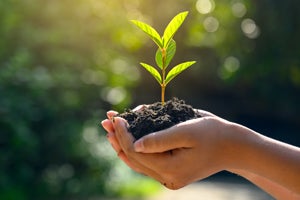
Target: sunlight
(231, 64)
(124, 68)
(114, 95)
(90, 134)
(239, 9)
(211, 24)
(205, 6)
(133, 11)
(250, 28)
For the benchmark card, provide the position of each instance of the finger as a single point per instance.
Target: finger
(130, 164)
(123, 136)
(107, 125)
(110, 114)
(114, 142)
(139, 167)
(133, 164)
(165, 140)
(204, 113)
(140, 162)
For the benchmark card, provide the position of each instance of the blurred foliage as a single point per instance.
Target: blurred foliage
(62, 66)
(64, 63)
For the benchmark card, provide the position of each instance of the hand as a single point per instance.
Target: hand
(176, 156)
(197, 148)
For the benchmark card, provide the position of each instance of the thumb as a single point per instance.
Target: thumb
(161, 141)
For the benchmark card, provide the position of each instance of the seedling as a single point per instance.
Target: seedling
(165, 52)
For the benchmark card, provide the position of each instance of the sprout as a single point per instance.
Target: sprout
(165, 53)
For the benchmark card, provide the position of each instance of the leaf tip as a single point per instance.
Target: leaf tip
(133, 21)
(185, 13)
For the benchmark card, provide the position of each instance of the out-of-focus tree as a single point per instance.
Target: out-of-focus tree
(63, 64)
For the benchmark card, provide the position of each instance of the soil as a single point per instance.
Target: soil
(156, 117)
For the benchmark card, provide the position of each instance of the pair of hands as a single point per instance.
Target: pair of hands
(177, 156)
(198, 148)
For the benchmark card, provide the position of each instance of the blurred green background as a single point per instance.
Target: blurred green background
(63, 64)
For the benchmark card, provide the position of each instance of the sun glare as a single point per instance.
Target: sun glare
(250, 29)
(205, 6)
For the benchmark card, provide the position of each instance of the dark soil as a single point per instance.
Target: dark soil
(156, 117)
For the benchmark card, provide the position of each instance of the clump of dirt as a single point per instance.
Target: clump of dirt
(156, 117)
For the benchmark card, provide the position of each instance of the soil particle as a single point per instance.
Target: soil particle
(156, 117)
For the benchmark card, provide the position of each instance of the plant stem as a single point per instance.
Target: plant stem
(163, 85)
(163, 88)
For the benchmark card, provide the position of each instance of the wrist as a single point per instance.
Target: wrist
(238, 144)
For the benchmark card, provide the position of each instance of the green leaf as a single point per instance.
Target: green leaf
(150, 31)
(170, 52)
(158, 58)
(172, 27)
(177, 70)
(153, 72)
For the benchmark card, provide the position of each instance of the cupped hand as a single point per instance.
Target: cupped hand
(177, 156)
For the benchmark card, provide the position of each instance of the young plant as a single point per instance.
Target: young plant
(166, 51)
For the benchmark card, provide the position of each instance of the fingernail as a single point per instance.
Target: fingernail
(139, 146)
(103, 121)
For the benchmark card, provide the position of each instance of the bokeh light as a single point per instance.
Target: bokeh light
(239, 9)
(205, 6)
(114, 95)
(211, 24)
(250, 29)
(230, 66)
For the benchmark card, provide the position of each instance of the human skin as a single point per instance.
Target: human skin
(198, 148)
